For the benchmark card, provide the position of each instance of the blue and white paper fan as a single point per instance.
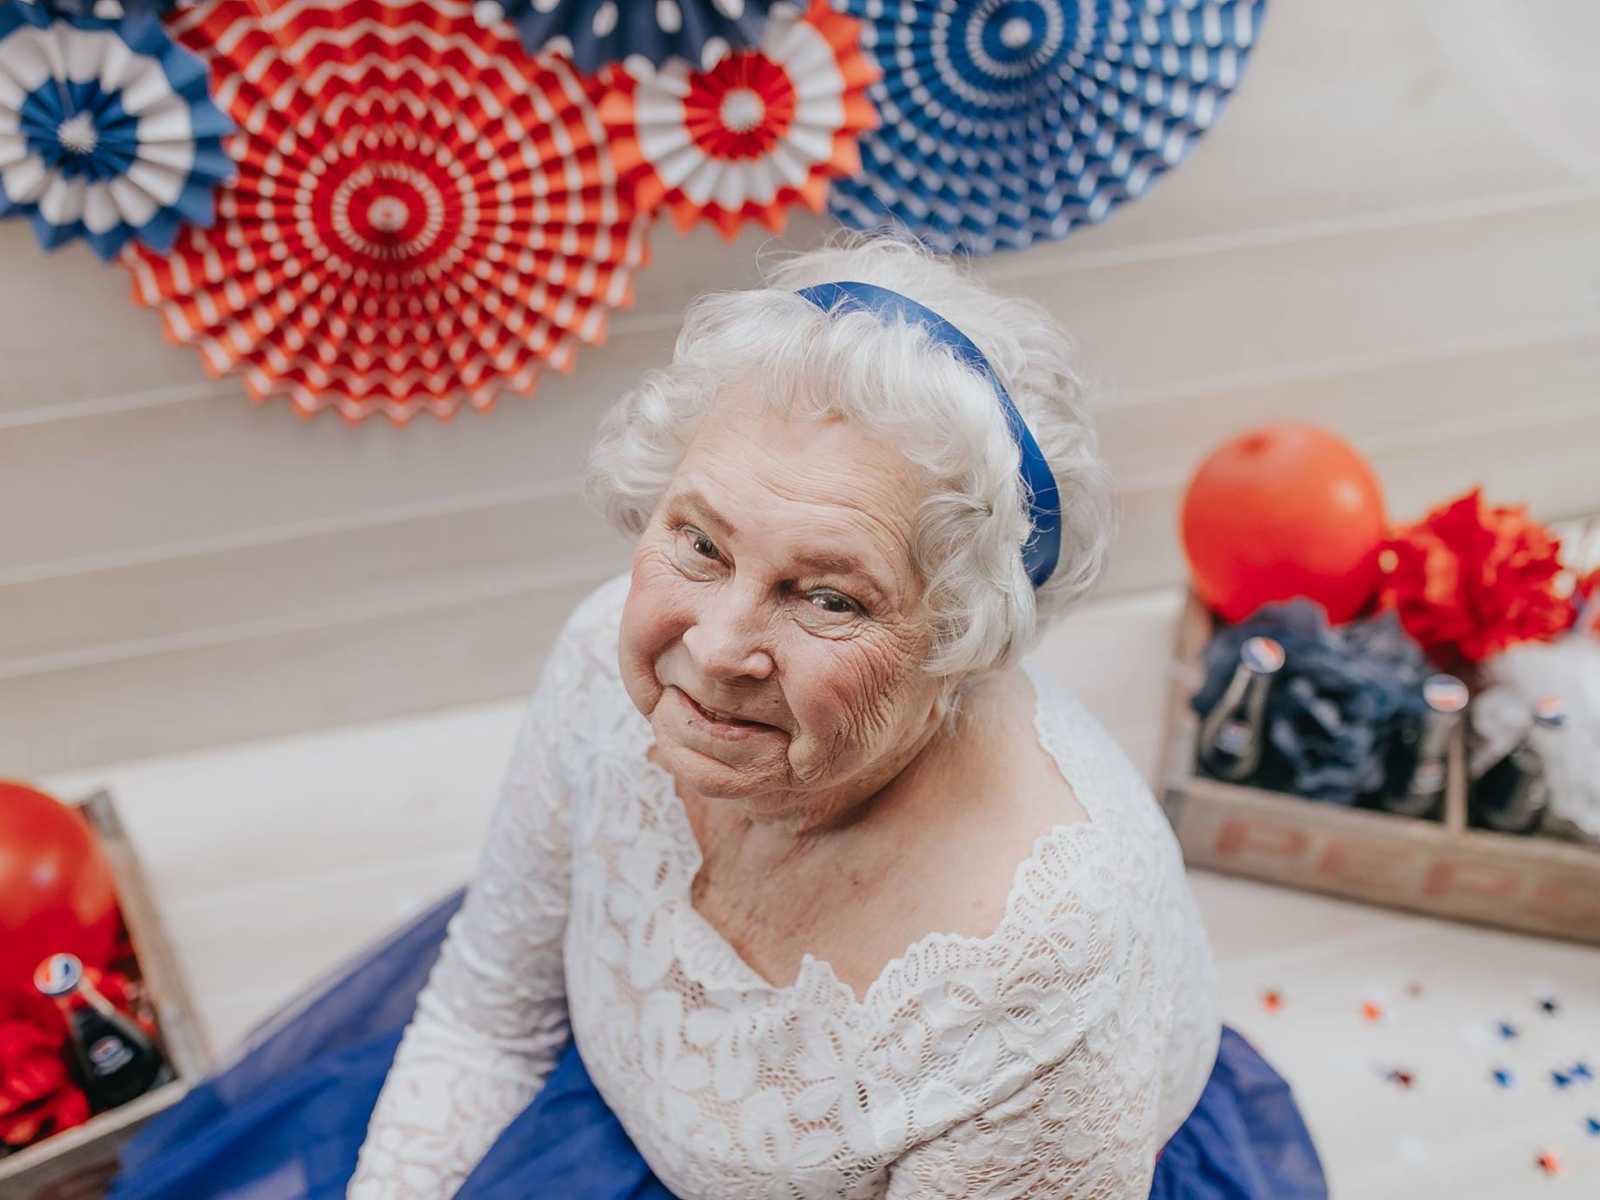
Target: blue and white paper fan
(1007, 122)
(107, 130)
(596, 32)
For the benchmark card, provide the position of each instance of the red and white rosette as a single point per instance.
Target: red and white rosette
(424, 214)
(758, 132)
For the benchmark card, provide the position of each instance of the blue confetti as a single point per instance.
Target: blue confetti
(1593, 1125)
(1560, 1080)
(1503, 1077)
(1507, 1031)
(1548, 1006)
(1581, 1071)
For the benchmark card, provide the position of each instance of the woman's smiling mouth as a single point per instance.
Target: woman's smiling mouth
(715, 718)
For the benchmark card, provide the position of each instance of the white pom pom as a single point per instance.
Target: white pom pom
(1570, 669)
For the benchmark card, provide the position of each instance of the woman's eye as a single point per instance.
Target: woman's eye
(840, 605)
(703, 545)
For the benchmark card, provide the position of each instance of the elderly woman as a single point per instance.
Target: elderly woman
(803, 883)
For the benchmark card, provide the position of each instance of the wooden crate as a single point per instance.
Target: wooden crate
(1534, 884)
(78, 1163)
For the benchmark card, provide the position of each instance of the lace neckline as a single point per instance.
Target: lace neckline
(716, 965)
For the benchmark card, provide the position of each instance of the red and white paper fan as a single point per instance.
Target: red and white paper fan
(758, 132)
(424, 215)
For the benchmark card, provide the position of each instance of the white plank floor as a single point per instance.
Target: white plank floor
(272, 861)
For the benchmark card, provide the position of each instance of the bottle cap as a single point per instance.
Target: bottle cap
(1444, 693)
(1263, 655)
(58, 975)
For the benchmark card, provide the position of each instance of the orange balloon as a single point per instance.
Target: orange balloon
(57, 892)
(1280, 512)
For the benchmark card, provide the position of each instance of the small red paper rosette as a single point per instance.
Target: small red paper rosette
(37, 1095)
(1469, 580)
(424, 215)
(759, 132)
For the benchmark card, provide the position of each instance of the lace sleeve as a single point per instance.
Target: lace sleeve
(492, 1018)
(1075, 1132)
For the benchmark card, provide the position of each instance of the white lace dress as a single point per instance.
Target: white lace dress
(1052, 1058)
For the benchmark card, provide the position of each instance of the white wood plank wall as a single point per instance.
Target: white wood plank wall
(1364, 241)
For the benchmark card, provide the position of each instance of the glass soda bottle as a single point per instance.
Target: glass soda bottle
(115, 1061)
(1424, 779)
(1513, 794)
(1233, 734)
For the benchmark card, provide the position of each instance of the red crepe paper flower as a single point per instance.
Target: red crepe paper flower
(1469, 580)
(759, 132)
(37, 1095)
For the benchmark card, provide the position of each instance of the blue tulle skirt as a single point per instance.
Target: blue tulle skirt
(285, 1119)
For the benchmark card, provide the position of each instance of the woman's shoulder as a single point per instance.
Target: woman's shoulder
(600, 611)
(587, 640)
(580, 681)
(1076, 737)
(1130, 854)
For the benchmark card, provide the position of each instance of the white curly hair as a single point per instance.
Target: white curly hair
(982, 609)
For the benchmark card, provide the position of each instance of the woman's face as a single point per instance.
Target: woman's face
(774, 583)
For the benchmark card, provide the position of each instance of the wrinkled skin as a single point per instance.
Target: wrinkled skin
(849, 825)
(828, 662)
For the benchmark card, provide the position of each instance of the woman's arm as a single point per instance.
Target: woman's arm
(492, 1018)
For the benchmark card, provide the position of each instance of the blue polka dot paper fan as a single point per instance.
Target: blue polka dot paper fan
(107, 131)
(1007, 122)
(596, 32)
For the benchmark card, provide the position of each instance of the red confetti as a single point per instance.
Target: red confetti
(1372, 1011)
(1272, 1000)
(1549, 1162)
(1404, 1079)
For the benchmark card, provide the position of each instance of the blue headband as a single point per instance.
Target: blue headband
(1043, 547)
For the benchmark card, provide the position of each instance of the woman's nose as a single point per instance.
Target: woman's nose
(726, 639)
